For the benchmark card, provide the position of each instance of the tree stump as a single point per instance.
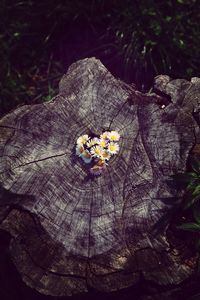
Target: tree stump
(71, 231)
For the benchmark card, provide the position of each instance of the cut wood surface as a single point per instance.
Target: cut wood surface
(71, 231)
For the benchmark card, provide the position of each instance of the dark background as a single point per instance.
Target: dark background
(135, 40)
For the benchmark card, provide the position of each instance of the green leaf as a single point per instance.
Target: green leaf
(168, 18)
(196, 190)
(16, 34)
(194, 227)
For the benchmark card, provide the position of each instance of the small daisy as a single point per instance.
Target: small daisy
(82, 140)
(79, 150)
(86, 156)
(105, 155)
(96, 151)
(92, 142)
(104, 136)
(113, 136)
(113, 148)
(102, 143)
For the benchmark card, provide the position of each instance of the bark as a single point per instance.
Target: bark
(71, 231)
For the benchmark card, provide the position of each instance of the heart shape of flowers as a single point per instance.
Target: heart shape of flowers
(98, 150)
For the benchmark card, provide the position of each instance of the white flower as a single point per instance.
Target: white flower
(113, 148)
(86, 156)
(102, 143)
(79, 150)
(82, 140)
(92, 142)
(113, 136)
(96, 151)
(105, 155)
(104, 136)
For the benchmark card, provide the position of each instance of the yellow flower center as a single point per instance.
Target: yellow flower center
(112, 147)
(102, 144)
(97, 151)
(105, 154)
(114, 136)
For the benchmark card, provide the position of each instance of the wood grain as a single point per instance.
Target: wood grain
(71, 231)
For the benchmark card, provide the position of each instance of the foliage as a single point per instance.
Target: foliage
(191, 180)
(135, 39)
(187, 189)
(28, 71)
(156, 37)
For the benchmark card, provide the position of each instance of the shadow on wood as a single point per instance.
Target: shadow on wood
(70, 234)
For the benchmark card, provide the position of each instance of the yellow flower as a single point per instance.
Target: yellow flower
(96, 151)
(105, 155)
(113, 136)
(113, 148)
(102, 143)
(82, 140)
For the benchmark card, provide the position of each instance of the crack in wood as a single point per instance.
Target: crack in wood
(97, 224)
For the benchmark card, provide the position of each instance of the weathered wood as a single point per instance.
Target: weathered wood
(69, 230)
